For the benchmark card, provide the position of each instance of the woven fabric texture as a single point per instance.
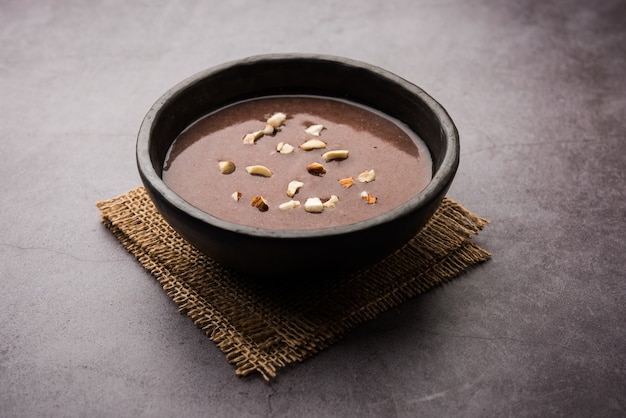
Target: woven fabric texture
(264, 327)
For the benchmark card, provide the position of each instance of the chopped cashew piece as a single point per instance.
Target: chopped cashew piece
(330, 203)
(314, 130)
(271, 126)
(226, 167)
(269, 129)
(368, 198)
(236, 196)
(284, 148)
(260, 203)
(292, 204)
(346, 182)
(259, 170)
(313, 144)
(252, 137)
(314, 205)
(293, 187)
(316, 169)
(277, 119)
(367, 176)
(339, 154)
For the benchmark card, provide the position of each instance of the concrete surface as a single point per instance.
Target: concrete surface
(537, 90)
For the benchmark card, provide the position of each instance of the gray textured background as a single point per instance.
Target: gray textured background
(537, 90)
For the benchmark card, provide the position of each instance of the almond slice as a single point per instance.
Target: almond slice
(314, 130)
(316, 169)
(338, 154)
(259, 170)
(226, 167)
(292, 204)
(312, 144)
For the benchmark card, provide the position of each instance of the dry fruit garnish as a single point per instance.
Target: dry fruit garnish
(292, 204)
(367, 176)
(252, 137)
(293, 187)
(276, 120)
(269, 129)
(314, 205)
(338, 154)
(312, 144)
(368, 198)
(284, 148)
(226, 167)
(314, 130)
(316, 169)
(330, 203)
(260, 203)
(346, 182)
(271, 125)
(259, 170)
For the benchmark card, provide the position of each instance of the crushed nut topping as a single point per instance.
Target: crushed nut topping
(312, 144)
(260, 203)
(330, 203)
(314, 130)
(368, 198)
(226, 167)
(251, 138)
(276, 120)
(284, 148)
(259, 170)
(314, 205)
(292, 204)
(271, 126)
(339, 154)
(269, 129)
(367, 176)
(293, 187)
(316, 169)
(346, 182)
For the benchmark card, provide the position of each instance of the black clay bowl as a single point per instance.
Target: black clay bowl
(277, 253)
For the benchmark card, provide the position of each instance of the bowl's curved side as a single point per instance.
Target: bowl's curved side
(255, 250)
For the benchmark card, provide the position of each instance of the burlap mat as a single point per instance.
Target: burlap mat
(263, 327)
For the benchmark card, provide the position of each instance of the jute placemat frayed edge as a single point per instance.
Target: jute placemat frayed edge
(264, 328)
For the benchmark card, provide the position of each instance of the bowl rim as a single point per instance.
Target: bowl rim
(439, 181)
